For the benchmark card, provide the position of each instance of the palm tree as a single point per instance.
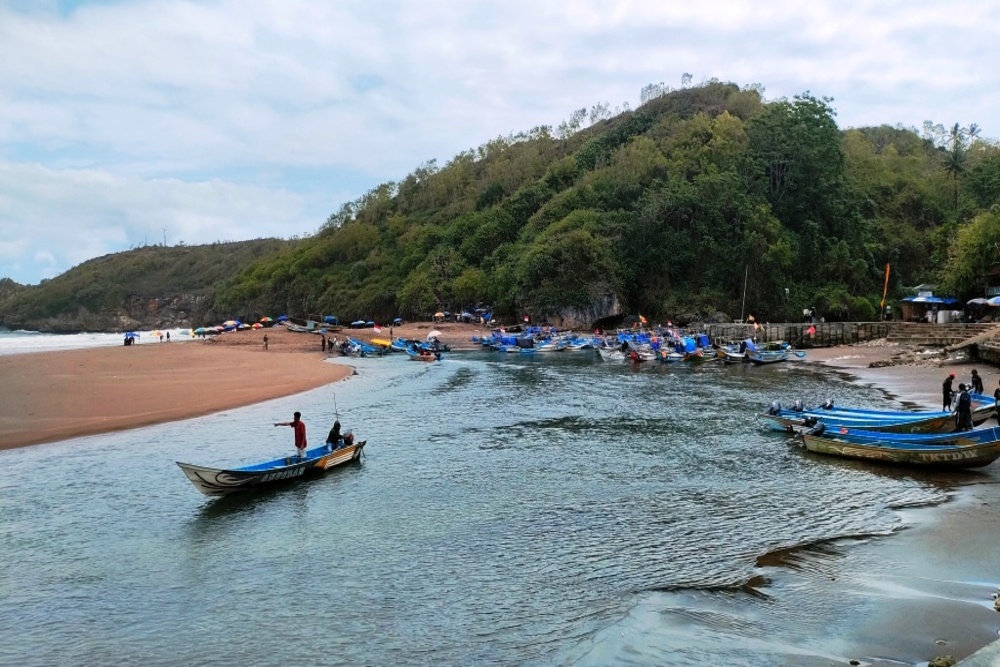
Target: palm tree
(954, 164)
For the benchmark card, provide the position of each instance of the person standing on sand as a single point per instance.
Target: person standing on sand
(977, 382)
(300, 433)
(947, 392)
(963, 411)
(265, 341)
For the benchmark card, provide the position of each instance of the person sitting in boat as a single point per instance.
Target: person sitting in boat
(334, 440)
(348, 438)
(963, 410)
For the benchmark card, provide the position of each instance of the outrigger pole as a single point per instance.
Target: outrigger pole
(744, 306)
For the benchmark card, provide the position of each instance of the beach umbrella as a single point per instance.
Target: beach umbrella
(994, 301)
(200, 330)
(433, 334)
(230, 323)
(266, 319)
(978, 300)
(439, 314)
(282, 318)
(258, 325)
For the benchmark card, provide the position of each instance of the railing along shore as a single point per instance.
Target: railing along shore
(799, 334)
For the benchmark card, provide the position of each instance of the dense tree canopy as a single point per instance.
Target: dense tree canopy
(680, 206)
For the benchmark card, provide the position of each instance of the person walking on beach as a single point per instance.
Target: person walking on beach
(947, 392)
(963, 411)
(265, 341)
(977, 382)
(300, 433)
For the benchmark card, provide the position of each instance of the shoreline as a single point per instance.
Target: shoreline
(942, 560)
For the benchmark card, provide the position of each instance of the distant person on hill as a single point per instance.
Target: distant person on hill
(947, 392)
(300, 433)
(963, 411)
(265, 341)
(168, 336)
(977, 382)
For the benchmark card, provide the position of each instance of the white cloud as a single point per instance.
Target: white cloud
(262, 93)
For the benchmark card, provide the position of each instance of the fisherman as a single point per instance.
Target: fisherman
(963, 411)
(977, 382)
(334, 439)
(300, 433)
(947, 392)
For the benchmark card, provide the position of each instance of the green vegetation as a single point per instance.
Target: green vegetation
(108, 292)
(664, 210)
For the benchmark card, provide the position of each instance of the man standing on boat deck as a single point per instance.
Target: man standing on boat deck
(947, 392)
(300, 433)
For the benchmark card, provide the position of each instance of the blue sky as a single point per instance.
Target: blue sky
(124, 122)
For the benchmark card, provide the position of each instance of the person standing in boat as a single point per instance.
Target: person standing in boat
(963, 411)
(299, 427)
(977, 382)
(947, 392)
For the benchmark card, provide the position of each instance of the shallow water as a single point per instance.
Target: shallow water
(509, 510)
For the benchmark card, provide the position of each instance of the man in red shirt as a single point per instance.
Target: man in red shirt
(300, 433)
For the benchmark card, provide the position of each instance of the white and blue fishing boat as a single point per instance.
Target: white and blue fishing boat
(965, 449)
(223, 481)
(900, 421)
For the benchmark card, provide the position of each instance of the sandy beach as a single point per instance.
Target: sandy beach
(52, 396)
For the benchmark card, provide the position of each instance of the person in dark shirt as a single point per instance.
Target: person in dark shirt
(333, 440)
(963, 411)
(977, 382)
(947, 392)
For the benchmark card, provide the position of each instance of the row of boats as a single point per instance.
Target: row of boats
(664, 345)
(926, 438)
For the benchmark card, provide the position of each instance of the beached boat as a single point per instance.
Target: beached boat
(898, 421)
(968, 449)
(223, 481)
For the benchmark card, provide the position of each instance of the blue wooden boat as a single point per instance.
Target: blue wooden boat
(899, 421)
(967, 449)
(223, 481)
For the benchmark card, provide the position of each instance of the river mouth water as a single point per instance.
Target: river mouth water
(509, 510)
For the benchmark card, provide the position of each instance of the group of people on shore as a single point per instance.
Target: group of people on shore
(334, 440)
(962, 399)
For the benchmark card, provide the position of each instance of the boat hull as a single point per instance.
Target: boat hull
(906, 453)
(221, 482)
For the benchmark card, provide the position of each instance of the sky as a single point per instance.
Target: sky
(127, 123)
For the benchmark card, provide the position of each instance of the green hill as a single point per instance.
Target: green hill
(148, 287)
(703, 199)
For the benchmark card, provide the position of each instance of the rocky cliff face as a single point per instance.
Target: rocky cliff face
(136, 313)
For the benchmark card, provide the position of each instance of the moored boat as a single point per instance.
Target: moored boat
(968, 449)
(223, 481)
(899, 421)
